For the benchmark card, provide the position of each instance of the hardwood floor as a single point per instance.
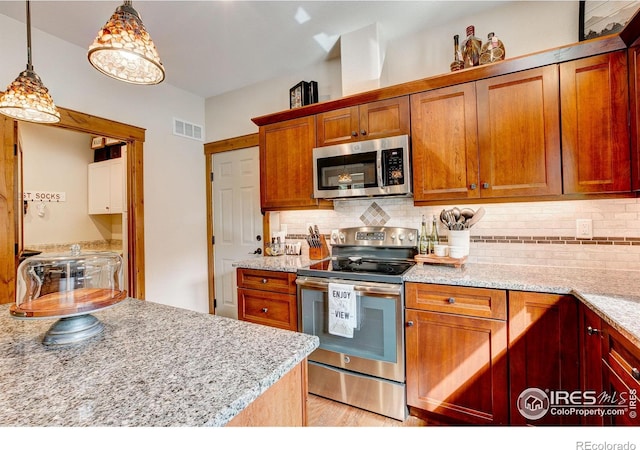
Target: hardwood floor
(322, 412)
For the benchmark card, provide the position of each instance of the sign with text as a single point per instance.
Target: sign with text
(43, 196)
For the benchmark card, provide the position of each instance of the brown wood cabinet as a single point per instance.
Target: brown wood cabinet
(286, 165)
(543, 349)
(519, 134)
(456, 344)
(494, 138)
(634, 96)
(621, 375)
(268, 298)
(591, 366)
(444, 136)
(368, 121)
(595, 124)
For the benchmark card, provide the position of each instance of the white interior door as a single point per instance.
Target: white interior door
(237, 220)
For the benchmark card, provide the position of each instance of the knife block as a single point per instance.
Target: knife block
(319, 252)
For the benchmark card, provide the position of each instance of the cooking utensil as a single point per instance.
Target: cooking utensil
(467, 213)
(479, 214)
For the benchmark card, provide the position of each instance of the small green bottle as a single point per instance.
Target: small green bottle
(435, 239)
(424, 238)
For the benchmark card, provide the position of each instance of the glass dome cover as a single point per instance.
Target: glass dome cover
(67, 284)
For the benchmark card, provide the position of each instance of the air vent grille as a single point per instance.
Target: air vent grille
(187, 129)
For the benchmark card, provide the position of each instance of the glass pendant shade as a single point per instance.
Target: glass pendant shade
(27, 98)
(124, 50)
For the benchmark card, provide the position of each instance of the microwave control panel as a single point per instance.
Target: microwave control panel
(392, 167)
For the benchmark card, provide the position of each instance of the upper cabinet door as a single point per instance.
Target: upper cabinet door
(595, 130)
(338, 126)
(519, 134)
(444, 143)
(286, 164)
(634, 92)
(368, 121)
(385, 118)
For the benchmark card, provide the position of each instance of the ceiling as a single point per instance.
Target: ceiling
(211, 47)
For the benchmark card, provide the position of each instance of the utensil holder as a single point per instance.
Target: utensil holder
(459, 238)
(319, 252)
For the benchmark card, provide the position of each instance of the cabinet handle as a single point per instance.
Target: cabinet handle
(354, 133)
(410, 323)
(363, 132)
(451, 300)
(635, 373)
(591, 331)
(473, 186)
(485, 185)
(264, 281)
(264, 310)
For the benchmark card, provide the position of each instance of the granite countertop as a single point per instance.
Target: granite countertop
(613, 294)
(154, 365)
(282, 263)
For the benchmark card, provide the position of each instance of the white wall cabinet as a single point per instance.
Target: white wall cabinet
(105, 186)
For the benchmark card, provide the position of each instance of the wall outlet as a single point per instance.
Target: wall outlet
(584, 229)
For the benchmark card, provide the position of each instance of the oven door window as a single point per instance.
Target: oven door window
(374, 338)
(357, 171)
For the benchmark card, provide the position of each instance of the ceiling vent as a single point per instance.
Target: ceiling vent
(188, 130)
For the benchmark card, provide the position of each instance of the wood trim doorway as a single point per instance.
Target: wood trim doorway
(246, 141)
(85, 123)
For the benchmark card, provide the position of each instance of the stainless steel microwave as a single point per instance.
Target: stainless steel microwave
(376, 167)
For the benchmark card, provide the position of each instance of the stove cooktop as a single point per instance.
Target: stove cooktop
(356, 268)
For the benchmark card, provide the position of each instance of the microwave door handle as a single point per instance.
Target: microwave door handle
(379, 171)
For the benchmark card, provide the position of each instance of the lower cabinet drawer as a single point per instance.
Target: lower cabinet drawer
(267, 280)
(268, 308)
(468, 301)
(622, 357)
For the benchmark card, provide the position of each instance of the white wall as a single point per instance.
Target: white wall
(523, 26)
(174, 178)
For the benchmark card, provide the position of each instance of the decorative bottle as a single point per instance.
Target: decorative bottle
(424, 238)
(435, 239)
(471, 48)
(493, 50)
(457, 63)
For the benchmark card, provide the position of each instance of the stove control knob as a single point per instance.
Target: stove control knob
(341, 236)
(393, 236)
(411, 237)
(401, 237)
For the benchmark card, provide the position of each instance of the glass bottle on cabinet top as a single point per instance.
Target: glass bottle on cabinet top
(471, 48)
(457, 63)
(493, 50)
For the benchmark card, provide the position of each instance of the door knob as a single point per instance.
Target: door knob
(258, 238)
(258, 251)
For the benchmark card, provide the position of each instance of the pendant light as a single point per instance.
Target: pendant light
(27, 98)
(124, 50)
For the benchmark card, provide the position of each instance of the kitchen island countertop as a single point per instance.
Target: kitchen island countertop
(154, 365)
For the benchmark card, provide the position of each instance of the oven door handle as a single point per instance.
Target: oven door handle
(364, 287)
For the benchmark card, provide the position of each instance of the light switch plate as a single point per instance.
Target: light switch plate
(584, 229)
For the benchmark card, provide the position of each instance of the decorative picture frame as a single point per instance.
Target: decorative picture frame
(97, 142)
(603, 17)
(298, 95)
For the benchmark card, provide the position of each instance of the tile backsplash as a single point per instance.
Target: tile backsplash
(528, 233)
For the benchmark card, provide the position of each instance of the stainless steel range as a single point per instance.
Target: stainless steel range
(354, 302)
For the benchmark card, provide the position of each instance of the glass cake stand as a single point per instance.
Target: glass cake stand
(68, 287)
